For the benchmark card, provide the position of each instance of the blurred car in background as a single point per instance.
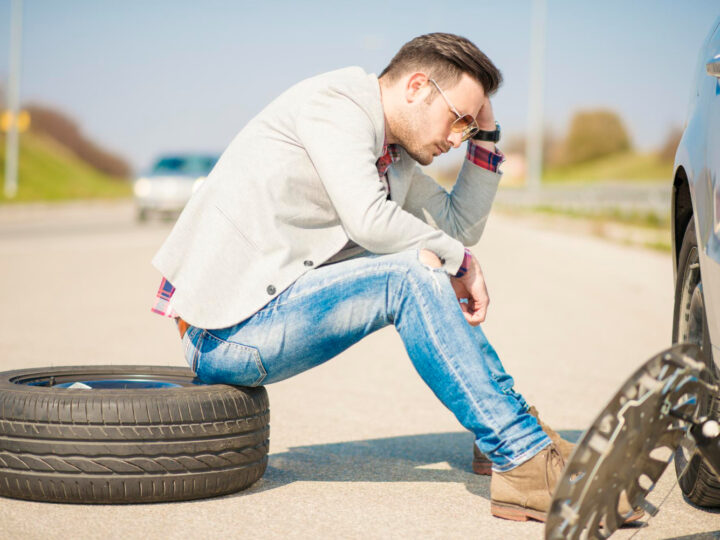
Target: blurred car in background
(696, 250)
(170, 183)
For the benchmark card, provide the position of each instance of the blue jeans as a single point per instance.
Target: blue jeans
(332, 307)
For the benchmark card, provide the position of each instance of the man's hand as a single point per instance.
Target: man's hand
(486, 121)
(472, 287)
(485, 118)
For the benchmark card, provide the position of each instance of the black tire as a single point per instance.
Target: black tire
(697, 481)
(128, 444)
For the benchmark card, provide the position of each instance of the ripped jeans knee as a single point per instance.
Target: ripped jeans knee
(432, 267)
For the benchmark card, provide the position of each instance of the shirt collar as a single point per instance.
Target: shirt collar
(390, 154)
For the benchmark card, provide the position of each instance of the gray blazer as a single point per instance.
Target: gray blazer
(294, 186)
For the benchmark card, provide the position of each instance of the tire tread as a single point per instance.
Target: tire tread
(699, 484)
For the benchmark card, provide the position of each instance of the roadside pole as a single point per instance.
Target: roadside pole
(534, 141)
(11, 147)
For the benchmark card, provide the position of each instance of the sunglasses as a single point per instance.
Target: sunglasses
(464, 123)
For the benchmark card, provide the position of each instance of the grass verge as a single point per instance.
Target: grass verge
(49, 172)
(621, 166)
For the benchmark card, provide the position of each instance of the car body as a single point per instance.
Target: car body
(695, 221)
(170, 183)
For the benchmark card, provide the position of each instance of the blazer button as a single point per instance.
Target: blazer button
(271, 290)
(308, 263)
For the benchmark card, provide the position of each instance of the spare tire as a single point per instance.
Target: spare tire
(127, 434)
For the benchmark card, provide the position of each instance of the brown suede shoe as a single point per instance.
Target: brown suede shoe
(525, 492)
(482, 465)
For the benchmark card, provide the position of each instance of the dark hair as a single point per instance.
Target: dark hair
(445, 57)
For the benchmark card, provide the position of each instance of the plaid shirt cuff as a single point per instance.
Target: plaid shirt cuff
(465, 266)
(483, 157)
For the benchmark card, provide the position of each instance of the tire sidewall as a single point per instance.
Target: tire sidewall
(698, 483)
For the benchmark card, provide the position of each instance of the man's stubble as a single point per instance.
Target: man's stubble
(409, 126)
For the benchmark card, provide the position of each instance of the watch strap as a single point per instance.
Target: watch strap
(492, 136)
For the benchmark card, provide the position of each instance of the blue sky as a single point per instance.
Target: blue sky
(146, 77)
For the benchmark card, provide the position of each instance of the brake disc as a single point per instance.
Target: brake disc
(628, 446)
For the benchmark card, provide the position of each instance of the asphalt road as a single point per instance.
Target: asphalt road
(359, 446)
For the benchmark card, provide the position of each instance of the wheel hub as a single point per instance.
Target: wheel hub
(629, 445)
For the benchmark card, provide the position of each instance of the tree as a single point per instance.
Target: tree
(56, 125)
(594, 134)
(552, 146)
(669, 147)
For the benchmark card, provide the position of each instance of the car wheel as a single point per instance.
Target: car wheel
(697, 481)
(127, 434)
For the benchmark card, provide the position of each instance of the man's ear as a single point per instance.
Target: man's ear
(416, 87)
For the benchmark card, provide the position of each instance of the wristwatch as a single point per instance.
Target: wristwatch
(492, 136)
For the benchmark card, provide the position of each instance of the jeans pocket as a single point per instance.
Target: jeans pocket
(227, 362)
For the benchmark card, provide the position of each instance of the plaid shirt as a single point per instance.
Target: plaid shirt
(477, 154)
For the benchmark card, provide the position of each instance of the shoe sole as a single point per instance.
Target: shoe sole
(518, 513)
(637, 514)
